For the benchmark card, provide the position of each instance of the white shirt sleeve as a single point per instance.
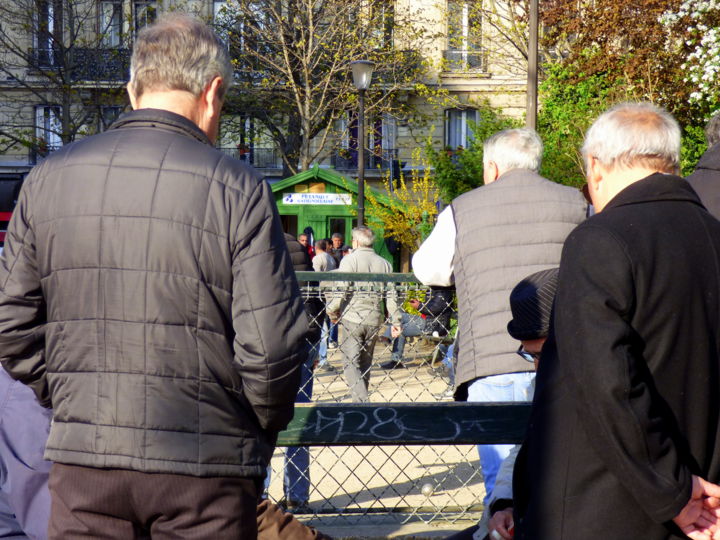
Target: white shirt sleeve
(433, 262)
(317, 263)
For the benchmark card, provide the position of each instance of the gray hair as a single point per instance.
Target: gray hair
(336, 235)
(363, 236)
(178, 52)
(634, 134)
(514, 149)
(712, 130)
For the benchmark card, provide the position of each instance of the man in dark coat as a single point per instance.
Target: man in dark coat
(625, 422)
(296, 475)
(705, 179)
(147, 296)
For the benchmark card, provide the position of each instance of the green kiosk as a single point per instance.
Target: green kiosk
(324, 200)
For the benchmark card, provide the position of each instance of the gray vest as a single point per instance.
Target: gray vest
(506, 231)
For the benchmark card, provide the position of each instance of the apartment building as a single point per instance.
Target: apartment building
(64, 64)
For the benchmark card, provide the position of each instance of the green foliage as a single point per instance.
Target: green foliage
(461, 169)
(693, 146)
(410, 216)
(569, 102)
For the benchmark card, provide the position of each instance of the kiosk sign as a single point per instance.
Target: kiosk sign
(317, 198)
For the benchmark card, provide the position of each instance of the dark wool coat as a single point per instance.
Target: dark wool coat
(314, 306)
(146, 293)
(705, 180)
(626, 399)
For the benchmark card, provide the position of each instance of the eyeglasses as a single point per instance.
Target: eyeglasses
(530, 357)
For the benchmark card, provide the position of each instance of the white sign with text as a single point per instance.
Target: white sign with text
(317, 198)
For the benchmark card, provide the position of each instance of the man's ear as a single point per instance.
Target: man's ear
(211, 96)
(490, 172)
(210, 106)
(596, 180)
(131, 94)
(594, 174)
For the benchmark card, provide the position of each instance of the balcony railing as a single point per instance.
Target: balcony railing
(465, 61)
(260, 158)
(95, 64)
(85, 63)
(347, 159)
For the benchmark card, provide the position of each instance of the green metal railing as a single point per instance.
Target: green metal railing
(380, 457)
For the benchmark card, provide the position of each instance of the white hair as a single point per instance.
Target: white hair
(178, 52)
(634, 134)
(509, 149)
(363, 236)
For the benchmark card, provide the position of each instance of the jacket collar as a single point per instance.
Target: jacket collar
(710, 159)
(656, 187)
(162, 119)
(518, 176)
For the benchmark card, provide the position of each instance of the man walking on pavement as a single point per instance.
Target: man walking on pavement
(362, 311)
(485, 242)
(147, 295)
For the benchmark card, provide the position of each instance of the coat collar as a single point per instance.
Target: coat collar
(710, 159)
(518, 176)
(161, 119)
(656, 187)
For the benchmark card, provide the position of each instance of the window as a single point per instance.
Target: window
(384, 22)
(225, 21)
(389, 133)
(220, 19)
(48, 128)
(144, 14)
(111, 21)
(457, 127)
(47, 36)
(464, 31)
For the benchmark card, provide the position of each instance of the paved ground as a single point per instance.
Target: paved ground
(377, 528)
(379, 489)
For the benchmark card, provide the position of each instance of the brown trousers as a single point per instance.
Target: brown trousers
(117, 504)
(276, 524)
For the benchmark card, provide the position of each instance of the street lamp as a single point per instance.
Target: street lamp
(532, 78)
(362, 74)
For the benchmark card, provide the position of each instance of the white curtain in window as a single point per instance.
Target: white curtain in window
(389, 132)
(457, 127)
(111, 22)
(48, 126)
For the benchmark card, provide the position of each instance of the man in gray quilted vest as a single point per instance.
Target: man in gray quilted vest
(485, 242)
(147, 296)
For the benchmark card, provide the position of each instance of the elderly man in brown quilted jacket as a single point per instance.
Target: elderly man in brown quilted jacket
(147, 296)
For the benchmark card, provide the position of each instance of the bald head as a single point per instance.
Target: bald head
(626, 144)
(635, 135)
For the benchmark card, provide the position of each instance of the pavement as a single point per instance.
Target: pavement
(376, 527)
(379, 489)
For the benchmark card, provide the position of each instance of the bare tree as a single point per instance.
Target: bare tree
(293, 77)
(63, 63)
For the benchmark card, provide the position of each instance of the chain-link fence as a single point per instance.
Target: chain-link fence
(431, 482)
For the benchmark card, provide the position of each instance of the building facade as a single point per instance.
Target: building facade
(64, 65)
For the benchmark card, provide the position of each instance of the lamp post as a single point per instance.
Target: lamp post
(362, 75)
(532, 78)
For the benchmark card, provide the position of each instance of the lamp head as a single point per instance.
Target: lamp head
(362, 71)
